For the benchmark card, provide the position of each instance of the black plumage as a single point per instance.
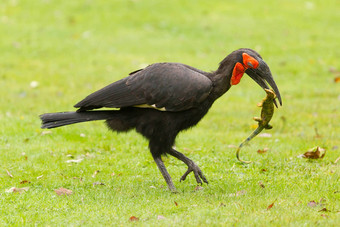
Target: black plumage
(162, 100)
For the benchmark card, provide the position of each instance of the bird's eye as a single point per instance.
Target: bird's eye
(249, 62)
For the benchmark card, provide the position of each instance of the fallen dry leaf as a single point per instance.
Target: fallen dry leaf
(63, 191)
(176, 203)
(264, 170)
(324, 210)
(314, 153)
(9, 174)
(261, 185)
(337, 79)
(264, 150)
(133, 218)
(271, 205)
(95, 173)
(25, 182)
(312, 204)
(17, 190)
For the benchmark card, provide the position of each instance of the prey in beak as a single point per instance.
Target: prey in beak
(263, 77)
(251, 63)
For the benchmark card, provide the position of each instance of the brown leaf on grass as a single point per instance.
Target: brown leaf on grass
(176, 203)
(337, 79)
(133, 218)
(95, 173)
(9, 174)
(324, 210)
(312, 204)
(17, 190)
(25, 182)
(261, 185)
(264, 170)
(314, 153)
(336, 73)
(264, 150)
(63, 191)
(271, 205)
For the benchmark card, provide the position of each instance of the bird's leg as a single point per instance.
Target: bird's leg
(165, 173)
(192, 167)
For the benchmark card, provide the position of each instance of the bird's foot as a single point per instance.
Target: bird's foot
(192, 167)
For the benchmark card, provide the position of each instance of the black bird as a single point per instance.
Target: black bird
(163, 99)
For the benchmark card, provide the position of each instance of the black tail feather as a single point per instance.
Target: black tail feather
(54, 120)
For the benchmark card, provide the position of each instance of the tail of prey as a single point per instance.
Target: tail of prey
(252, 135)
(54, 120)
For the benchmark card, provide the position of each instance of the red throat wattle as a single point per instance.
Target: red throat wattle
(240, 68)
(237, 73)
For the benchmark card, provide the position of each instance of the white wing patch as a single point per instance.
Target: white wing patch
(153, 106)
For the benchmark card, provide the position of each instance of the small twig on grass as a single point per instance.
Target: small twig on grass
(336, 161)
(9, 174)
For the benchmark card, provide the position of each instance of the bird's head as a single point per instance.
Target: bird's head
(250, 62)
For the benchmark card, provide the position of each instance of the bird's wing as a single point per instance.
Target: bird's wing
(169, 86)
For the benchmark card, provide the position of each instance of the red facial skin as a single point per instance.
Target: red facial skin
(240, 68)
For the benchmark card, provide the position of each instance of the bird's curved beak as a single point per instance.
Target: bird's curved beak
(263, 77)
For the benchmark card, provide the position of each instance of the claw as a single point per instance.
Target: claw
(197, 172)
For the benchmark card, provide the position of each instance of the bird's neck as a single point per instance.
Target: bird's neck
(221, 82)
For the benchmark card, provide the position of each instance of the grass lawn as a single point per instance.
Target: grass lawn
(54, 53)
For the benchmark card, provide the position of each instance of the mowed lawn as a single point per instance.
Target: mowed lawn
(54, 53)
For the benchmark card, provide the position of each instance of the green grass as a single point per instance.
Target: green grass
(72, 48)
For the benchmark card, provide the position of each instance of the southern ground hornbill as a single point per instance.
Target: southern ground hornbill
(163, 99)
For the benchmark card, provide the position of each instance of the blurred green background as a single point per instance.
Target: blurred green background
(54, 53)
